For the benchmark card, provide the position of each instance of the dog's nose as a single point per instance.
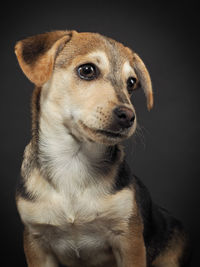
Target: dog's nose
(124, 116)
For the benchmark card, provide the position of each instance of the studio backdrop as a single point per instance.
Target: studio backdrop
(164, 152)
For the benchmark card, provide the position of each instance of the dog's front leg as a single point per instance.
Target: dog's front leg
(130, 251)
(36, 255)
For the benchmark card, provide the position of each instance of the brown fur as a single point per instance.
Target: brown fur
(36, 54)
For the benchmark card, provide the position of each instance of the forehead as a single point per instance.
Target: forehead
(84, 44)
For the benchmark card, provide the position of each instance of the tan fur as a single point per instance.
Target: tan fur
(172, 254)
(130, 249)
(36, 255)
(145, 80)
(72, 215)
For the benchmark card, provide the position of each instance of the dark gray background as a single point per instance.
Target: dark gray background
(164, 153)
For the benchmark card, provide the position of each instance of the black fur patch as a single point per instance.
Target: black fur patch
(109, 159)
(123, 178)
(22, 191)
(34, 47)
(112, 154)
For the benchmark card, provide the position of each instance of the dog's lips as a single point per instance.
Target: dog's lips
(107, 133)
(110, 133)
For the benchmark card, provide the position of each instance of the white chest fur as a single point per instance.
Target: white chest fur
(80, 223)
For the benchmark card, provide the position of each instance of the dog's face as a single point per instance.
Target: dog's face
(87, 80)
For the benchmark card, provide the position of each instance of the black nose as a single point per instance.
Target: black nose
(124, 116)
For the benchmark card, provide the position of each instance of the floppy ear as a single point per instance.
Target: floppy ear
(36, 54)
(144, 79)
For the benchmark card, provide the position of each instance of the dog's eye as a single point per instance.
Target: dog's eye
(87, 72)
(131, 84)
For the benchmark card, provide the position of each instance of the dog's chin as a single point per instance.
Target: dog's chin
(104, 136)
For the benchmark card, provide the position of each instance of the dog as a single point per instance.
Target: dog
(78, 201)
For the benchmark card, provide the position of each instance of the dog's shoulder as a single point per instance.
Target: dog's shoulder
(160, 227)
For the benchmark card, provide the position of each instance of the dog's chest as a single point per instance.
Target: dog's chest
(79, 244)
(79, 226)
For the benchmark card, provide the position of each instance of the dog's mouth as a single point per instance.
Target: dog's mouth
(105, 133)
(110, 133)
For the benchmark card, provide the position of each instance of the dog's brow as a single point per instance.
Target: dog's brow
(127, 69)
(100, 57)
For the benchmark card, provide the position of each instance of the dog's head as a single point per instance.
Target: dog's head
(87, 81)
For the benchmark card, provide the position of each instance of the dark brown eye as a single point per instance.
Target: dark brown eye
(87, 72)
(131, 84)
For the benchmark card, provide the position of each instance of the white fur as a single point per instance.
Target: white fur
(100, 58)
(127, 70)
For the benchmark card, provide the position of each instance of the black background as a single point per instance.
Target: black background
(165, 151)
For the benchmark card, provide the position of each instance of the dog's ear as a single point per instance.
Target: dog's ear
(144, 79)
(36, 54)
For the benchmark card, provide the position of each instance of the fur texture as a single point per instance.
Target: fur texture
(77, 198)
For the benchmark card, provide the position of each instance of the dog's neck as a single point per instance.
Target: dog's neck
(62, 156)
